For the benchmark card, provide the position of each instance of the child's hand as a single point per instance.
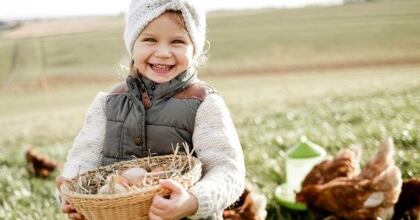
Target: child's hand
(179, 205)
(65, 206)
(71, 211)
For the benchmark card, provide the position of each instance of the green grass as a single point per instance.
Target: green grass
(271, 112)
(6, 56)
(95, 50)
(84, 55)
(250, 40)
(312, 35)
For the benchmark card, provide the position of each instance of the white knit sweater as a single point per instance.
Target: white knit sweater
(215, 141)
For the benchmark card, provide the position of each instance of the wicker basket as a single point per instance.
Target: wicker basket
(129, 205)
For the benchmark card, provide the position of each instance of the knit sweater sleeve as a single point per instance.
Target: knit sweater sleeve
(86, 152)
(217, 145)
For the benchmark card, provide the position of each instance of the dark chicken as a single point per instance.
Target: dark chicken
(408, 205)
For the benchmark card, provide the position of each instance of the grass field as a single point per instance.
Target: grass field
(271, 112)
(249, 41)
(272, 105)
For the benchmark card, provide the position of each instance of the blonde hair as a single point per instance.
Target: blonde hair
(132, 71)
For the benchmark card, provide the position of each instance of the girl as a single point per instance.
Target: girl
(163, 103)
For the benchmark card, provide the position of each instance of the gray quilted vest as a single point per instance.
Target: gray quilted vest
(148, 119)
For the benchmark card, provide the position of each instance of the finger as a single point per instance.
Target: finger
(161, 203)
(64, 203)
(153, 216)
(156, 211)
(68, 208)
(229, 214)
(75, 216)
(172, 185)
(60, 180)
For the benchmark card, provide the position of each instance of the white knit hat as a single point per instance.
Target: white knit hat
(142, 12)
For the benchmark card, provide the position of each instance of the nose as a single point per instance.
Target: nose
(163, 51)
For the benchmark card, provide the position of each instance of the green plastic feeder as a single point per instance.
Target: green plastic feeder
(300, 159)
(305, 149)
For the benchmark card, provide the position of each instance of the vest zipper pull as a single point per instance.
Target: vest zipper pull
(145, 98)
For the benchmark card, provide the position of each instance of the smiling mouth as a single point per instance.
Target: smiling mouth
(161, 67)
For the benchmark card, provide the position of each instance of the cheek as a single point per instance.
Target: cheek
(139, 58)
(190, 51)
(140, 52)
(189, 54)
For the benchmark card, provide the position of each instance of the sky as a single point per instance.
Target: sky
(27, 9)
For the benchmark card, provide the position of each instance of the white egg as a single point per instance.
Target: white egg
(134, 175)
(118, 179)
(107, 189)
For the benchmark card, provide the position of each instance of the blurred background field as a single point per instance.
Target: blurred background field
(339, 75)
(378, 33)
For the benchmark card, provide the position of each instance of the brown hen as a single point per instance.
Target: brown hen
(344, 164)
(369, 195)
(39, 165)
(250, 206)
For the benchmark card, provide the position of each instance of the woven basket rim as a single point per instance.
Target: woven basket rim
(64, 188)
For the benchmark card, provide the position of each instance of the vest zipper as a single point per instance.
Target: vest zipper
(145, 98)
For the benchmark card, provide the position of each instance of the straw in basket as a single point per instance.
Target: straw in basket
(82, 191)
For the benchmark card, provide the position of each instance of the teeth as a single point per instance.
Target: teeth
(162, 67)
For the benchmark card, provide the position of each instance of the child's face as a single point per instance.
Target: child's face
(164, 49)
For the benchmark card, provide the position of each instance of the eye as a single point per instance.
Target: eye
(178, 42)
(149, 39)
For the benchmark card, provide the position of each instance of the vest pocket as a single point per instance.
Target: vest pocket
(113, 135)
(117, 107)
